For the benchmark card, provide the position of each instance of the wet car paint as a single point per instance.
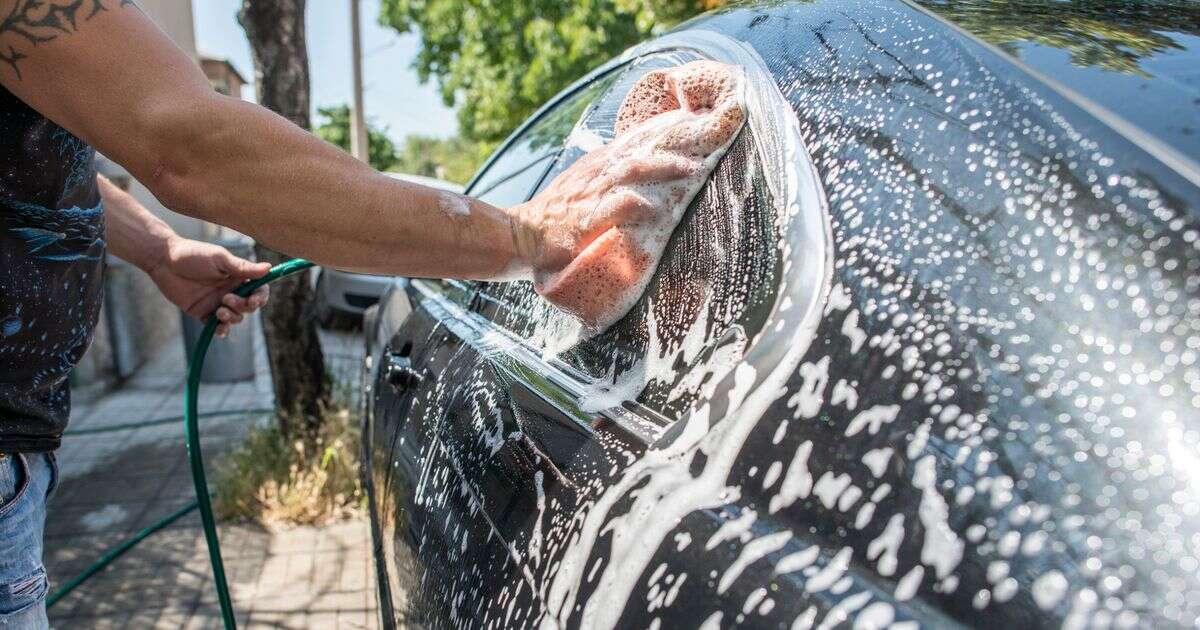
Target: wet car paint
(993, 420)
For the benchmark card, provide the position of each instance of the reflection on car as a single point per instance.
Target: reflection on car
(923, 352)
(341, 296)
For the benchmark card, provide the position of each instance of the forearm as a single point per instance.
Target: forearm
(120, 84)
(133, 234)
(239, 165)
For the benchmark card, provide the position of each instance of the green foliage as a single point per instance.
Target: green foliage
(498, 60)
(1115, 34)
(335, 129)
(452, 159)
(276, 481)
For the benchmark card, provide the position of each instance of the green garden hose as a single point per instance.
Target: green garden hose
(131, 542)
(117, 552)
(190, 416)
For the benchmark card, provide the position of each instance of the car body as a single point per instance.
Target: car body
(923, 352)
(343, 296)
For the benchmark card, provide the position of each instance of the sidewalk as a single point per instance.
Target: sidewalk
(114, 484)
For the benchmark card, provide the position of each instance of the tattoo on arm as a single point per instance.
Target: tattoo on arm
(32, 22)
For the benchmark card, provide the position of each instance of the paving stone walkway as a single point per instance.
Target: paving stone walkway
(114, 484)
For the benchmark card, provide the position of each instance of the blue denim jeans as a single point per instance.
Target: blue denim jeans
(26, 482)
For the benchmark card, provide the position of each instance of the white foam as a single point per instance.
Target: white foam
(872, 419)
(841, 611)
(1049, 589)
(798, 560)
(941, 548)
(877, 616)
(876, 460)
(755, 550)
(823, 579)
(584, 139)
(907, 587)
(887, 545)
(729, 530)
(797, 482)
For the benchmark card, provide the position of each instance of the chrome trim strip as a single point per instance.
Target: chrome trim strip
(562, 384)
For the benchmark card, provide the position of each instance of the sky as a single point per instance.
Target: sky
(394, 97)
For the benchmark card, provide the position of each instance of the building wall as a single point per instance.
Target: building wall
(222, 77)
(174, 17)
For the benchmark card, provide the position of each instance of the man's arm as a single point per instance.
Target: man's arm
(197, 277)
(103, 70)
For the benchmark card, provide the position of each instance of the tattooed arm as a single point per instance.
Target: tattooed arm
(103, 70)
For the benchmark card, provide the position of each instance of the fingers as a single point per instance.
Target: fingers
(621, 206)
(226, 315)
(246, 305)
(234, 309)
(653, 169)
(260, 297)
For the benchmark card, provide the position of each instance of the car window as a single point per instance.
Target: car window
(712, 292)
(514, 173)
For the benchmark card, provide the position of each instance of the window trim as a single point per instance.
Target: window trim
(562, 384)
(504, 179)
(537, 116)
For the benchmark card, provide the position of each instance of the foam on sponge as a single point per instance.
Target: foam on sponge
(671, 130)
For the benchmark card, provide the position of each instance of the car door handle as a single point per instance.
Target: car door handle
(400, 373)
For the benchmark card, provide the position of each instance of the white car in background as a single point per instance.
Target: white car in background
(342, 296)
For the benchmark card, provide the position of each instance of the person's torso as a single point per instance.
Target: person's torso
(51, 271)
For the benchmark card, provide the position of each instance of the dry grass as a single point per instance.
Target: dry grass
(281, 483)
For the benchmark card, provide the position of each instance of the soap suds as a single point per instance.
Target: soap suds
(753, 551)
(1049, 589)
(941, 548)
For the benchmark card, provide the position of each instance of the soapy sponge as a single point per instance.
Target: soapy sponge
(671, 131)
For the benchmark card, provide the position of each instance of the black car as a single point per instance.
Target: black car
(925, 350)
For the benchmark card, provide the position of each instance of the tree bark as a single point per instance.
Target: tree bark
(275, 29)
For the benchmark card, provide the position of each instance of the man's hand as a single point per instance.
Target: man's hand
(595, 234)
(198, 277)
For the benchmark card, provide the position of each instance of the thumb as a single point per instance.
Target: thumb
(243, 269)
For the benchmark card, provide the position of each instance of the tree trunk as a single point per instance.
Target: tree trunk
(275, 29)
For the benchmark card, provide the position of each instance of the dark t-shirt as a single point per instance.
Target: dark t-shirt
(51, 272)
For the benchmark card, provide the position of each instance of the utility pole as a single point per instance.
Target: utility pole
(358, 123)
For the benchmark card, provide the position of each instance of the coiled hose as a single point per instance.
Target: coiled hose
(190, 418)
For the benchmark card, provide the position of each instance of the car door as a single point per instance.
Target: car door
(984, 425)
(539, 428)
(424, 531)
